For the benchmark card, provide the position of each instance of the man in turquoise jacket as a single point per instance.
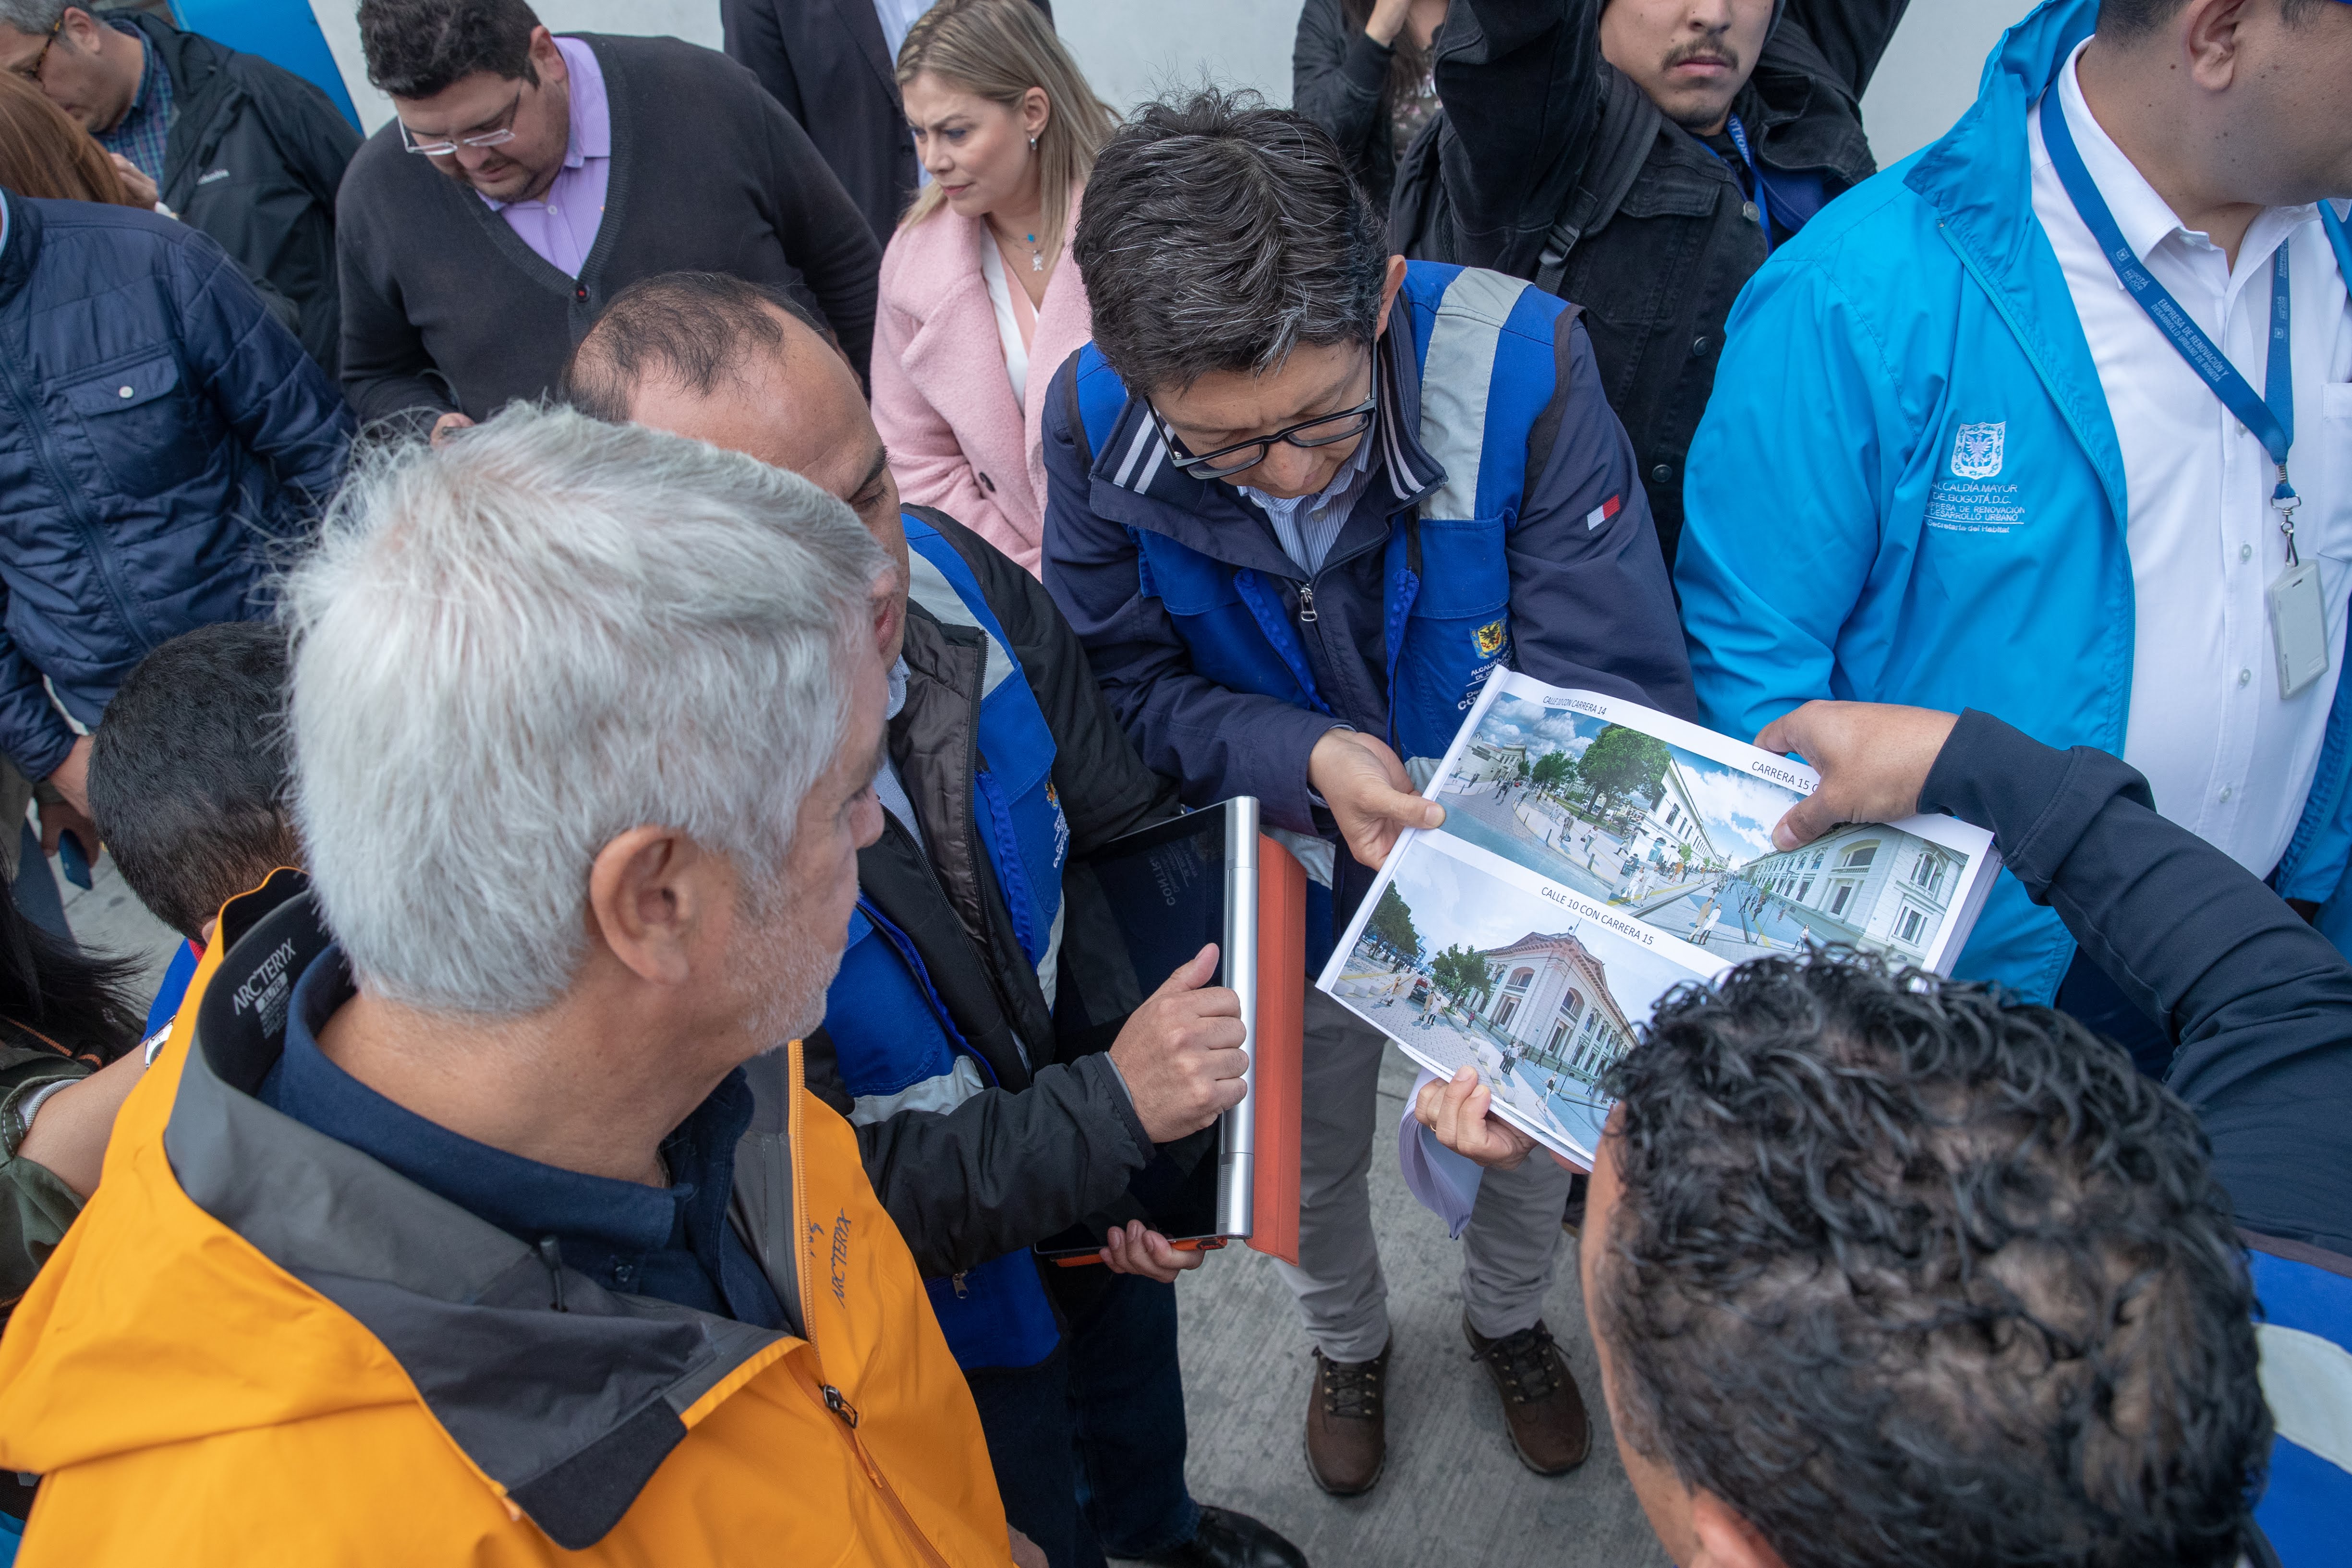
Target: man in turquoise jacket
(1953, 461)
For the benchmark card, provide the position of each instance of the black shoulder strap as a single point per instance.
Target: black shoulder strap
(1629, 125)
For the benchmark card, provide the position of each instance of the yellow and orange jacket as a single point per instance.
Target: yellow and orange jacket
(259, 1346)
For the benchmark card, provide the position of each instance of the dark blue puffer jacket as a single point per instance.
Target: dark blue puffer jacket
(161, 440)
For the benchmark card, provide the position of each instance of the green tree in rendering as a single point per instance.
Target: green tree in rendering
(1622, 762)
(1391, 923)
(1552, 771)
(1463, 975)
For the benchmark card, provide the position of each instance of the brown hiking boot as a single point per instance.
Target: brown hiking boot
(1347, 1423)
(1540, 1403)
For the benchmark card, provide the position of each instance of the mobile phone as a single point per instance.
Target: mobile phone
(73, 858)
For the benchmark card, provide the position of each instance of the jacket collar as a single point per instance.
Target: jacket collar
(191, 59)
(1979, 180)
(1136, 486)
(866, 25)
(465, 1308)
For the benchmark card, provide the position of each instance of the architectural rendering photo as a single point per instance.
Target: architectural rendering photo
(1683, 841)
(1461, 967)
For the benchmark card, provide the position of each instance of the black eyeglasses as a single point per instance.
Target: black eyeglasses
(31, 73)
(1323, 430)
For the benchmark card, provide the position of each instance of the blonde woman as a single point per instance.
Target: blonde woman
(979, 304)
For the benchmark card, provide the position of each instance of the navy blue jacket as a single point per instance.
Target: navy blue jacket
(1503, 527)
(2259, 1004)
(160, 433)
(2260, 1007)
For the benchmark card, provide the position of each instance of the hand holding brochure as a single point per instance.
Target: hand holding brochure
(1596, 854)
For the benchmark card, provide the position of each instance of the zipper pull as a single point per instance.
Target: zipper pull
(957, 1281)
(840, 1407)
(550, 1257)
(1305, 604)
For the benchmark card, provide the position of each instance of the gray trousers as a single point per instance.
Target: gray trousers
(1510, 1251)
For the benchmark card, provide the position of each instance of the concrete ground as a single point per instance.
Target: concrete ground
(1454, 1492)
(106, 918)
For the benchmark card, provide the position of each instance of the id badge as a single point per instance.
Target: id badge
(2298, 627)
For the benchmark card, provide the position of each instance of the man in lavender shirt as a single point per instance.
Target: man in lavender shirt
(560, 222)
(526, 179)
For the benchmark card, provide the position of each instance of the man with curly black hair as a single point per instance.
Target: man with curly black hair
(1916, 1276)
(1886, 1268)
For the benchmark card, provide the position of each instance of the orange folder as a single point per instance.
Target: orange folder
(1281, 1026)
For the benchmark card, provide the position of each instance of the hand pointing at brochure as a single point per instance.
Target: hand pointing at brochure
(1874, 759)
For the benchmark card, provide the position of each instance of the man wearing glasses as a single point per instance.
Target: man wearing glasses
(1303, 498)
(235, 146)
(527, 179)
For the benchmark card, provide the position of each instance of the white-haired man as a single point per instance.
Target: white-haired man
(1002, 1084)
(472, 1208)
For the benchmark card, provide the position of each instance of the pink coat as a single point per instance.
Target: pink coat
(941, 398)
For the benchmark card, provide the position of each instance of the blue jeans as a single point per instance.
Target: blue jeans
(1089, 1445)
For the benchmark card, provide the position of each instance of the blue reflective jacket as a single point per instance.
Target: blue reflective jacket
(1908, 489)
(1502, 527)
(897, 1042)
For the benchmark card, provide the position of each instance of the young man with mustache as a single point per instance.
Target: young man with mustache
(1641, 158)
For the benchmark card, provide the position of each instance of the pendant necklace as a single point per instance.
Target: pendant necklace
(1036, 260)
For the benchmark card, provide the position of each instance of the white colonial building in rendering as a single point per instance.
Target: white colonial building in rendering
(1672, 829)
(1551, 999)
(1866, 884)
(1481, 762)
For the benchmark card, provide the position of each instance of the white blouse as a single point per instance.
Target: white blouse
(1016, 317)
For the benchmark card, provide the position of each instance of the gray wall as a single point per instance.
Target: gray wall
(1929, 74)
(1135, 48)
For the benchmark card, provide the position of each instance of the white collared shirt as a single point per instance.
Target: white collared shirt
(2226, 756)
(896, 16)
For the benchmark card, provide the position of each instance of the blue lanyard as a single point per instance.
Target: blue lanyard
(2336, 237)
(2271, 418)
(1756, 175)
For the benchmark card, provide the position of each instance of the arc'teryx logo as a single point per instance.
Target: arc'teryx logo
(1979, 450)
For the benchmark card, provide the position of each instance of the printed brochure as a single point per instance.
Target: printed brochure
(1597, 853)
